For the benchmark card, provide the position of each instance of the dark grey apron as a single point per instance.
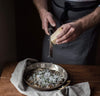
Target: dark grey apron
(77, 51)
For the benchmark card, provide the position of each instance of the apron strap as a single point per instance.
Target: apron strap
(72, 5)
(79, 6)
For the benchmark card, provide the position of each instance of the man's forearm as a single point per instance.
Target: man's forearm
(90, 20)
(41, 5)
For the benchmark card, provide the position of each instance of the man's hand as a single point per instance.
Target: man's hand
(47, 18)
(70, 32)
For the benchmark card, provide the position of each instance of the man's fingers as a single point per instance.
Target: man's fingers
(70, 32)
(51, 21)
(71, 38)
(65, 36)
(65, 29)
(45, 26)
(46, 18)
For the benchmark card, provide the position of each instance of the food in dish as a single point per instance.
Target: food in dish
(45, 78)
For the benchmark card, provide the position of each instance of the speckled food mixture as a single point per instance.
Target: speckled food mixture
(46, 78)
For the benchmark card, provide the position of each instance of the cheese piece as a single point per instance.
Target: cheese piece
(54, 35)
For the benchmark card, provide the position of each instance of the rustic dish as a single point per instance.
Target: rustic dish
(32, 69)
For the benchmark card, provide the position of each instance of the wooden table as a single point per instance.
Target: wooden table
(77, 73)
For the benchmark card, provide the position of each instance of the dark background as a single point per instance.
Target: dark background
(28, 30)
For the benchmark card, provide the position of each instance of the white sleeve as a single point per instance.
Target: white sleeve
(98, 5)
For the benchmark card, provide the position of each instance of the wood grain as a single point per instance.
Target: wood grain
(77, 74)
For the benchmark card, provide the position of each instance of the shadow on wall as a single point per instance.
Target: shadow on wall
(7, 32)
(98, 47)
(29, 31)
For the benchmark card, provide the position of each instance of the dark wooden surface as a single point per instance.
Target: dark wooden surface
(77, 73)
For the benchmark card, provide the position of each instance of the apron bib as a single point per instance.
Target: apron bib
(77, 51)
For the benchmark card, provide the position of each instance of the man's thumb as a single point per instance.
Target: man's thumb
(51, 21)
